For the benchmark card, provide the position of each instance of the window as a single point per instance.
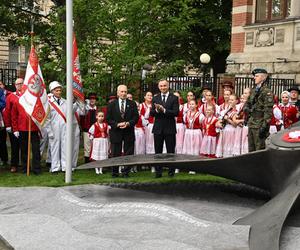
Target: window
(13, 52)
(267, 10)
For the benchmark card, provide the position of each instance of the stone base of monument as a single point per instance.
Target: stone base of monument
(176, 216)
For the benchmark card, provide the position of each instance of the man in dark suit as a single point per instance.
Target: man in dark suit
(122, 115)
(165, 108)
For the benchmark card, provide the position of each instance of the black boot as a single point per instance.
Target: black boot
(86, 159)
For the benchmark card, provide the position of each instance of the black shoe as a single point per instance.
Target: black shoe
(48, 165)
(115, 175)
(54, 173)
(86, 159)
(37, 172)
(158, 175)
(171, 174)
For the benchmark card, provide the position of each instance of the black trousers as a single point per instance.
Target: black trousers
(116, 150)
(170, 140)
(15, 150)
(3, 146)
(35, 149)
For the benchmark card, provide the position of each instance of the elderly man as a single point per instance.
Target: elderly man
(122, 115)
(165, 107)
(11, 100)
(56, 128)
(259, 109)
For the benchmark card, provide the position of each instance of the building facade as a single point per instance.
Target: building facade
(12, 55)
(265, 33)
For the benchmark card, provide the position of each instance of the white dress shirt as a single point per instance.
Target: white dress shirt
(120, 103)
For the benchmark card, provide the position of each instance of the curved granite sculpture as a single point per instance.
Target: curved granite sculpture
(275, 169)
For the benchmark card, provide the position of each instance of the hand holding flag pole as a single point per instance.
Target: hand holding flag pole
(34, 98)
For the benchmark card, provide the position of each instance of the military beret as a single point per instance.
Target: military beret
(259, 71)
(295, 87)
(206, 87)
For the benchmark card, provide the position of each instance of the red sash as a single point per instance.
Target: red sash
(58, 110)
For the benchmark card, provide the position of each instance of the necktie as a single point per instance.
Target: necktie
(164, 99)
(58, 101)
(122, 109)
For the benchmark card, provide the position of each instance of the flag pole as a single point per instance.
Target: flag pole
(69, 45)
(28, 147)
(29, 117)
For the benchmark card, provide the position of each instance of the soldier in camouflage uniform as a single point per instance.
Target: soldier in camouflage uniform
(259, 108)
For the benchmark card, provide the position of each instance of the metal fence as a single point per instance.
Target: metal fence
(240, 83)
(12, 65)
(8, 77)
(276, 85)
(184, 83)
(9, 73)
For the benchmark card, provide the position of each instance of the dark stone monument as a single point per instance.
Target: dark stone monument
(275, 169)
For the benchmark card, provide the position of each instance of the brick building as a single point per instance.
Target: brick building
(265, 33)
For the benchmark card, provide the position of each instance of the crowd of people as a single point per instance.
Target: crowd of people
(164, 122)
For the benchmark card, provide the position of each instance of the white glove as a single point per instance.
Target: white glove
(8, 129)
(51, 136)
(17, 134)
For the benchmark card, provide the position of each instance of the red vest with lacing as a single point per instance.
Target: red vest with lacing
(289, 114)
(209, 126)
(192, 120)
(100, 132)
(146, 109)
(179, 118)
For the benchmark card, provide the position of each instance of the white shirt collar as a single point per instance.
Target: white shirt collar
(120, 102)
(166, 94)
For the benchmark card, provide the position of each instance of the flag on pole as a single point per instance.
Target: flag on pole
(77, 80)
(34, 99)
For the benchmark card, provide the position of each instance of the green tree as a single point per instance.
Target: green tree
(117, 37)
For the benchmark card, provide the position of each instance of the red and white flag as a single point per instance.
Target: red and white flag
(34, 98)
(77, 80)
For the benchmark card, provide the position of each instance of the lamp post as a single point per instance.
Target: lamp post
(146, 68)
(205, 60)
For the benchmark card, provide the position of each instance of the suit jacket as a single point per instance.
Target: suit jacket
(113, 117)
(165, 123)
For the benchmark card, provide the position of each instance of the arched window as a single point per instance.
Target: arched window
(268, 10)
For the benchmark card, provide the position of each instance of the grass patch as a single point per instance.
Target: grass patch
(80, 177)
(89, 176)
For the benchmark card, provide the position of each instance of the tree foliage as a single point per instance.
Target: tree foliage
(117, 37)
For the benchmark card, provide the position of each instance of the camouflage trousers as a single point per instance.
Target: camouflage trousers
(254, 142)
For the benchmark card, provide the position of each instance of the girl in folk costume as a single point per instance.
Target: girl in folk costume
(289, 112)
(193, 134)
(276, 120)
(139, 130)
(190, 96)
(148, 122)
(98, 134)
(179, 126)
(202, 100)
(209, 101)
(240, 145)
(208, 145)
(225, 105)
(227, 135)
